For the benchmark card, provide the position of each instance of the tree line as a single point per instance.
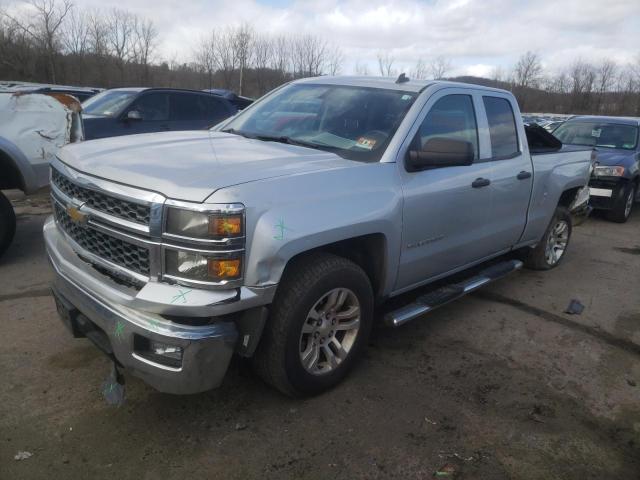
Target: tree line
(52, 41)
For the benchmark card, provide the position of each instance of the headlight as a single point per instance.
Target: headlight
(203, 225)
(608, 171)
(202, 267)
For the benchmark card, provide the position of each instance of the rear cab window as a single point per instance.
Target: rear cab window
(502, 127)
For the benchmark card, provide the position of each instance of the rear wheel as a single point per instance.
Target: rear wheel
(7, 223)
(553, 246)
(318, 326)
(621, 210)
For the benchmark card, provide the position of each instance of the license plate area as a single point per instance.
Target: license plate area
(600, 192)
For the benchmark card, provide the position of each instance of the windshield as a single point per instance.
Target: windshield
(606, 135)
(109, 103)
(354, 122)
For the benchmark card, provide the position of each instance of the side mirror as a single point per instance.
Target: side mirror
(440, 152)
(134, 115)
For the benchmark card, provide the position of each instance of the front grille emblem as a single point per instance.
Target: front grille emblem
(76, 215)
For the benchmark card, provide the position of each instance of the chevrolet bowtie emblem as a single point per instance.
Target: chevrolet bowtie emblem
(76, 215)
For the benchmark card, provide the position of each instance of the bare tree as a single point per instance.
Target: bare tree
(145, 41)
(335, 58)
(605, 76)
(241, 42)
(440, 66)
(263, 50)
(362, 69)
(385, 64)
(76, 34)
(528, 70)
(225, 56)
(97, 30)
(121, 26)
(420, 70)
(309, 55)
(205, 56)
(43, 26)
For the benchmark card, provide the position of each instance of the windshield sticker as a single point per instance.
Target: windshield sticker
(366, 143)
(596, 132)
(406, 97)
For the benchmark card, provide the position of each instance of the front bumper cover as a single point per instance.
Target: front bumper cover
(207, 349)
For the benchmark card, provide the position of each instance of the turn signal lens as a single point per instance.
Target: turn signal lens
(225, 226)
(224, 269)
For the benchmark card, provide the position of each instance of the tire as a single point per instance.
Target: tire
(7, 223)
(622, 207)
(540, 257)
(307, 287)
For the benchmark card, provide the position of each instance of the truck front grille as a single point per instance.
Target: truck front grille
(115, 250)
(117, 207)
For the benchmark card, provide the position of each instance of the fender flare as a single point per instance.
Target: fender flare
(21, 164)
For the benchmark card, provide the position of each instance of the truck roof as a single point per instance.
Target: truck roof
(388, 83)
(602, 118)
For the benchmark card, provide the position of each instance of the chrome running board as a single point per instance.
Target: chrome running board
(448, 293)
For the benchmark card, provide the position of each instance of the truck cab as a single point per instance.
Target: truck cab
(277, 233)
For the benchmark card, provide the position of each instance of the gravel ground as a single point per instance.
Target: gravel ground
(501, 384)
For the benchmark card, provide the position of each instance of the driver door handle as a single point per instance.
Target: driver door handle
(481, 182)
(523, 175)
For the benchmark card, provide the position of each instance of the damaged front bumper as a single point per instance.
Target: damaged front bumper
(135, 330)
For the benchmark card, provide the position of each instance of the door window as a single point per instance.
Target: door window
(451, 117)
(218, 110)
(502, 127)
(188, 107)
(153, 106)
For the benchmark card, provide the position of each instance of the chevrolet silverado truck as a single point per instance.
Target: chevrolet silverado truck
(275, 234)
(615, 182)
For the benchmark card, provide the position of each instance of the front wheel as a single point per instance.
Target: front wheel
(318, 326)
(7, 223)
(621, 210)
(553, 246)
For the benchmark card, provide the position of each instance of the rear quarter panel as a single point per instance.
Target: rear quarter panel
(554, 173)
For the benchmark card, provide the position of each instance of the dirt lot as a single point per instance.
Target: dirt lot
(501, 384)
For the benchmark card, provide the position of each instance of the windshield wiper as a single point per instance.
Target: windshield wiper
(289, 140)
(233, 131)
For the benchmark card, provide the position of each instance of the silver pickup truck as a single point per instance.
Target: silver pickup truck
(274, 235)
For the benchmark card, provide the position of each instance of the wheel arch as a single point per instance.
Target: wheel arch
(15, 169)
(368, 251)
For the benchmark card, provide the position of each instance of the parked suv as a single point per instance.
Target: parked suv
(127, 111)
(615, 182)
(275, 234)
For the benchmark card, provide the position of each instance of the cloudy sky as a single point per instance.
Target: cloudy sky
(475, 34)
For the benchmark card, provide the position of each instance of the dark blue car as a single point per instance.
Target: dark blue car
(615, 181)
(127, 111)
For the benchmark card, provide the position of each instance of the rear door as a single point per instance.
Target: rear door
(511, 172)
(444, 214)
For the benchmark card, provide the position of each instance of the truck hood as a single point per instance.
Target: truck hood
(192, 165)
(611, 158)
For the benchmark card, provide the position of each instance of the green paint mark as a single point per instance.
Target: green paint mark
(280, 226)
(119, 330)
(181, 296)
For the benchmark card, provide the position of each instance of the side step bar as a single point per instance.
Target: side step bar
(448, 293)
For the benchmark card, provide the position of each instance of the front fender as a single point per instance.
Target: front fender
(290, 215)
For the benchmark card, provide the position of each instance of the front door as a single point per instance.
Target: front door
(445, 209)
